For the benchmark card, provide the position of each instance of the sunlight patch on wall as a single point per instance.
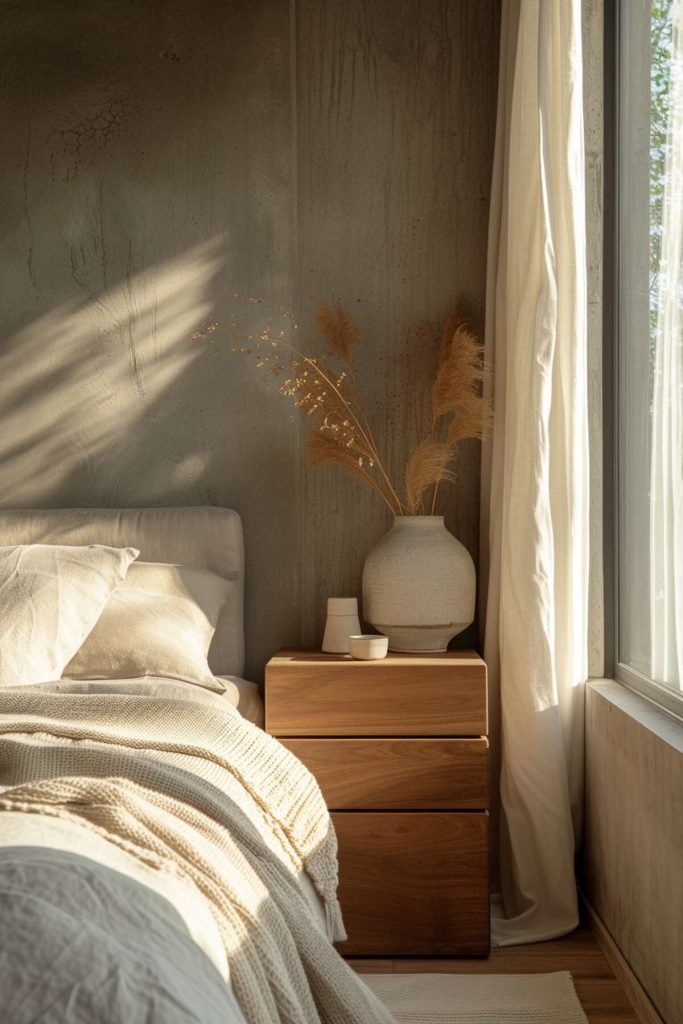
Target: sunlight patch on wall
(77, 382)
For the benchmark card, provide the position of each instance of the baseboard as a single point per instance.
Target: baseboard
(638, 997)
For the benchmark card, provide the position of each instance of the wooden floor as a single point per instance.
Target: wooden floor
(603, 999)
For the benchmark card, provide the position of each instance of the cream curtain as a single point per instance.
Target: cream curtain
(666, 485)
(535, 497)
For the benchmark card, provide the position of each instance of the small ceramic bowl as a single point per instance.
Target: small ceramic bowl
(368, 647)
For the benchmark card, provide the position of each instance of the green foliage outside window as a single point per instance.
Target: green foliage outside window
(660, 73)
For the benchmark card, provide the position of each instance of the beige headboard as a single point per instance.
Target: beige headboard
(210, 538)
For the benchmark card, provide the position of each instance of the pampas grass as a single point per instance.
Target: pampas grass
(323, 451)
(341, 433)
(429, 462)
(459, 409)
(459, 412)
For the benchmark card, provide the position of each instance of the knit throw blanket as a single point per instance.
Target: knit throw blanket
(197, 790)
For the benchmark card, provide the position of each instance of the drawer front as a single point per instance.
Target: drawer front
(398, 774)
(414, 884)
(376, 698)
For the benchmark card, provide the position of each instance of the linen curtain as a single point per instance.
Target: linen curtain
(666, 485)
(535, 480)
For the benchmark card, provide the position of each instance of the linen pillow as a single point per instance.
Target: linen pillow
(51, 595)
(158, 622)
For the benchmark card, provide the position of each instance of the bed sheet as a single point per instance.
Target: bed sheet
(187, 789)
(239, 693)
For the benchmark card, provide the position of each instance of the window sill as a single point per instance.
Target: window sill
(663, 725)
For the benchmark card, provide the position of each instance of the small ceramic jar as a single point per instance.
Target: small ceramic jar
(342, 622)
(368, 647)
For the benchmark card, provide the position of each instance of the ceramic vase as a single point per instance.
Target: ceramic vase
(419, 585)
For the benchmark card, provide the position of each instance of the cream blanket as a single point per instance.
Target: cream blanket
(187, 788)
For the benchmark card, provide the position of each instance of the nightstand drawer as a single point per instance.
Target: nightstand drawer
(414, 884)
(405, 695)
(399, 749)
(395, 774)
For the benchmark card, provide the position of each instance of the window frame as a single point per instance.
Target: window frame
(659, 694)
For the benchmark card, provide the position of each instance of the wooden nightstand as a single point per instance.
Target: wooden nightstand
(399, 750)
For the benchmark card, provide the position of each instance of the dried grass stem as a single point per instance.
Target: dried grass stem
(343, 435)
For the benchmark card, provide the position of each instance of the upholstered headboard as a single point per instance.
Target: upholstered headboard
(210, 538)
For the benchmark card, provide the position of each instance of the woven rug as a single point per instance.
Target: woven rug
(479, 998)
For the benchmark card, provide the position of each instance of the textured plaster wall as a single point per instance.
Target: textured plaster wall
(396, 120)
(634, 836)
(163, 156)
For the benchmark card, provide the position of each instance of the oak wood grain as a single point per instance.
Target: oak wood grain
(396, 774)
(312, 694)
(413, 883)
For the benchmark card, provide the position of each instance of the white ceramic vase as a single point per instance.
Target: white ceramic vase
(419, 585)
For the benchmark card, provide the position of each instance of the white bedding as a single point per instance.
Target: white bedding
(154, 846)
(90, 930)
(210, 538)
(58, 835)
(51, 597)
(159, 621)
(246, 697)
(87, 933)
(54, 834)
(239, 693)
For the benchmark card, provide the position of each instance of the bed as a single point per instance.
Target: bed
(161, 858)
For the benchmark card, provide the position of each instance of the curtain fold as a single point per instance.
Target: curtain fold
(535, 479)
(666, 484)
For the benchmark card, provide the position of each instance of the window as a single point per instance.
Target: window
(648, 257)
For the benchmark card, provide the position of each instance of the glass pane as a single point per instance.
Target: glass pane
(650, 353)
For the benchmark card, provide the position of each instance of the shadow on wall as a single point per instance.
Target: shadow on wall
(121, 401)
(96, 387)
(146, 178)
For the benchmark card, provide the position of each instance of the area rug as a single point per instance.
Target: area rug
(479, 998)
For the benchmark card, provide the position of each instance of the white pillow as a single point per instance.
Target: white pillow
(51, 596)
(159, 622)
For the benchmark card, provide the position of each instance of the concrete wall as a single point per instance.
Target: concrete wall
(161, 158)
(396, 120)
(633, 837)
